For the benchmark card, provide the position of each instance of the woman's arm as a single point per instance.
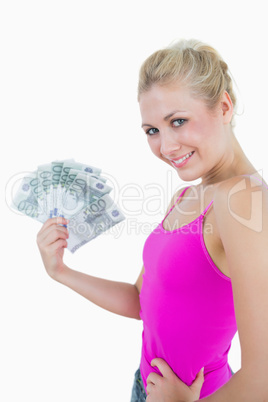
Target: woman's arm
(118, 297)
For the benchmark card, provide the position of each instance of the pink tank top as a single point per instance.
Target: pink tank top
(187, 307)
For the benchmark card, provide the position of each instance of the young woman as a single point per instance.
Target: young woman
(205, 272)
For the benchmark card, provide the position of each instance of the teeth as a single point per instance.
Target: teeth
(183, 159)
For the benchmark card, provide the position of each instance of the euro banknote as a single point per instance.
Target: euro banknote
(72, 190)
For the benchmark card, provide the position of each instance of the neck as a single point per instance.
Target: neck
(235, 164)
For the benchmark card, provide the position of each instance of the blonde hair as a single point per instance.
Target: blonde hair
(191, 63)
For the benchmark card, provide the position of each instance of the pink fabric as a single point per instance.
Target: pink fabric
(186, 306)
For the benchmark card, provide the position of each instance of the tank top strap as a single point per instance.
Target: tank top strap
(176, 202)
(180, 196)
(206, 209)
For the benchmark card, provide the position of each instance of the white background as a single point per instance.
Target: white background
(68, 74)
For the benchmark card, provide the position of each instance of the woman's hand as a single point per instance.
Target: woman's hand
(170, 388)
(51, 241)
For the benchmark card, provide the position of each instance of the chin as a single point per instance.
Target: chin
(187, 176)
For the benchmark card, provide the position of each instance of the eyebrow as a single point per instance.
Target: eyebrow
(166, 117)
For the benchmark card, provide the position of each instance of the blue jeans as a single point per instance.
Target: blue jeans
(138, 391)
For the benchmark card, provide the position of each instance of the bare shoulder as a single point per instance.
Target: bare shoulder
(242, 202)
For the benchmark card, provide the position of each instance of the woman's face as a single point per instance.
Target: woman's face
(184, 133)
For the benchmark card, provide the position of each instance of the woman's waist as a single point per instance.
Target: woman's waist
(216, 373)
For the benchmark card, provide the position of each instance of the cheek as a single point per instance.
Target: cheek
(154, 145)
(205, 135)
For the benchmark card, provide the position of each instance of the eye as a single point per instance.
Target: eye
(178, 122)
(152, 131)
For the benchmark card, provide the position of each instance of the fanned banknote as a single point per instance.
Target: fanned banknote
(93, 220)
(71, 190)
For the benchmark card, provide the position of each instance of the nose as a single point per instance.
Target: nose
(169, 144)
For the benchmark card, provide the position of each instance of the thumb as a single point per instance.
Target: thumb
(198, 382)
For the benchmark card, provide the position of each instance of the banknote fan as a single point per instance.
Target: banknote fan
(72, 190)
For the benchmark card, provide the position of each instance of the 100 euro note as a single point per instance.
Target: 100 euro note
(44, 174)
(92, 221)
(56, 167)
(69, 171)
(29, 198)
(83, 190)
(54, 178)
(39, 198)
(84, 200)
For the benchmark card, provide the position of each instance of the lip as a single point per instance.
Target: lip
(174, 161)
(180, 157)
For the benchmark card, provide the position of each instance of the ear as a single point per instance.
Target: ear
(227, 108)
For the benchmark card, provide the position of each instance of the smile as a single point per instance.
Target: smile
(181, 162)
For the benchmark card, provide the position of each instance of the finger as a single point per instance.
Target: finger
(52, 228)
(55, 247)
(152, 378)
(149, 389)
(198, 382)
(162, 366)
(53, 235)
(54, 221)
(45, 236)
(61, 243)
